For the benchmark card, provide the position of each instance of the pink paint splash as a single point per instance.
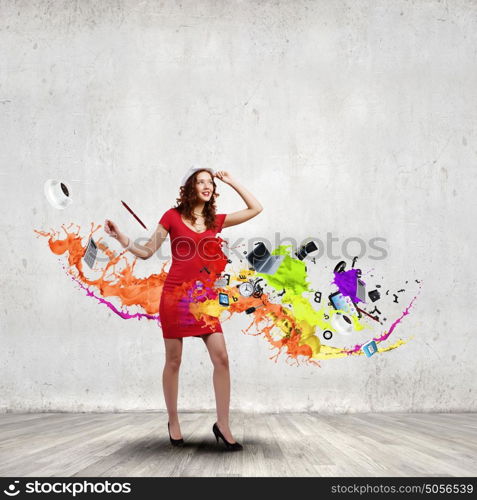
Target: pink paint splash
(122, 314)
(385, 335)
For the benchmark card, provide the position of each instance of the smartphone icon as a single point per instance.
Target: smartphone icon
(223, 299)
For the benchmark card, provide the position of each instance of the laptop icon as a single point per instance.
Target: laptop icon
(261, 260)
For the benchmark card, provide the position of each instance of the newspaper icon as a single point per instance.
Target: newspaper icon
(91, 252)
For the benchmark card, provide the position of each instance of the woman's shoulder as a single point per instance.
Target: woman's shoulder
(171, 212)
(168, 218)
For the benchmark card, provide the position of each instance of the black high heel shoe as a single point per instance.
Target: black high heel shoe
(229, 446)
(174, 442)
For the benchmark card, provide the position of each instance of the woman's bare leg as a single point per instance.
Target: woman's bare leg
(215, 343)
(170, 383)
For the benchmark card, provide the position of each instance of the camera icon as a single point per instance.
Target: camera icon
(11, 491)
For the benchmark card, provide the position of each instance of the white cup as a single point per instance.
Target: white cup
(57, 193)
(342, 324)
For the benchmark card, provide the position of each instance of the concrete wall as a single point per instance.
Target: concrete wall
(355, 118)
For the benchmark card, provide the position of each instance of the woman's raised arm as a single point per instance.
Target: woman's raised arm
(253, 205)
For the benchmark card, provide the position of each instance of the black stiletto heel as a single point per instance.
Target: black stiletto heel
(229, 446)
(174, 442)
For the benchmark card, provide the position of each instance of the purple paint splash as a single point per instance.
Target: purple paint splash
(346, 281)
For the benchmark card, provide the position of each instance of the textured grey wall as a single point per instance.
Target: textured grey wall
(356, 118)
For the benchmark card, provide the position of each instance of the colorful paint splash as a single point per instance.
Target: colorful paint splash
(291, 326)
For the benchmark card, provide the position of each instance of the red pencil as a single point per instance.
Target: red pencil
(138, 219)
(367, 314)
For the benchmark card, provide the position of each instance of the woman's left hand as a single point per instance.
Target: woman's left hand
(223, 176)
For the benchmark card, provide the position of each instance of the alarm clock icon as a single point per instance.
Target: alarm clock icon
(246, 289)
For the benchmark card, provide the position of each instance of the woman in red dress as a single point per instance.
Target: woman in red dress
(191, 224)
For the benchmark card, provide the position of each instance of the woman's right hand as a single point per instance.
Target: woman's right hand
(111, 228)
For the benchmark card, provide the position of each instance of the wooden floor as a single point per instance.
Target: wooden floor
(284, 444)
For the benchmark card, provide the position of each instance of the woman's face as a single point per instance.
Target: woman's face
(204, 186)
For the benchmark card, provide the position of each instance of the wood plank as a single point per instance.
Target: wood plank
(276, 445)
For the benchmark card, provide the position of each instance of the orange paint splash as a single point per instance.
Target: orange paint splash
(143, 292)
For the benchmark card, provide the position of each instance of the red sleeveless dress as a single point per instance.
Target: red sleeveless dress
(188, 271)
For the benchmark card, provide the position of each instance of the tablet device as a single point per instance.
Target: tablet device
(344, 303)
